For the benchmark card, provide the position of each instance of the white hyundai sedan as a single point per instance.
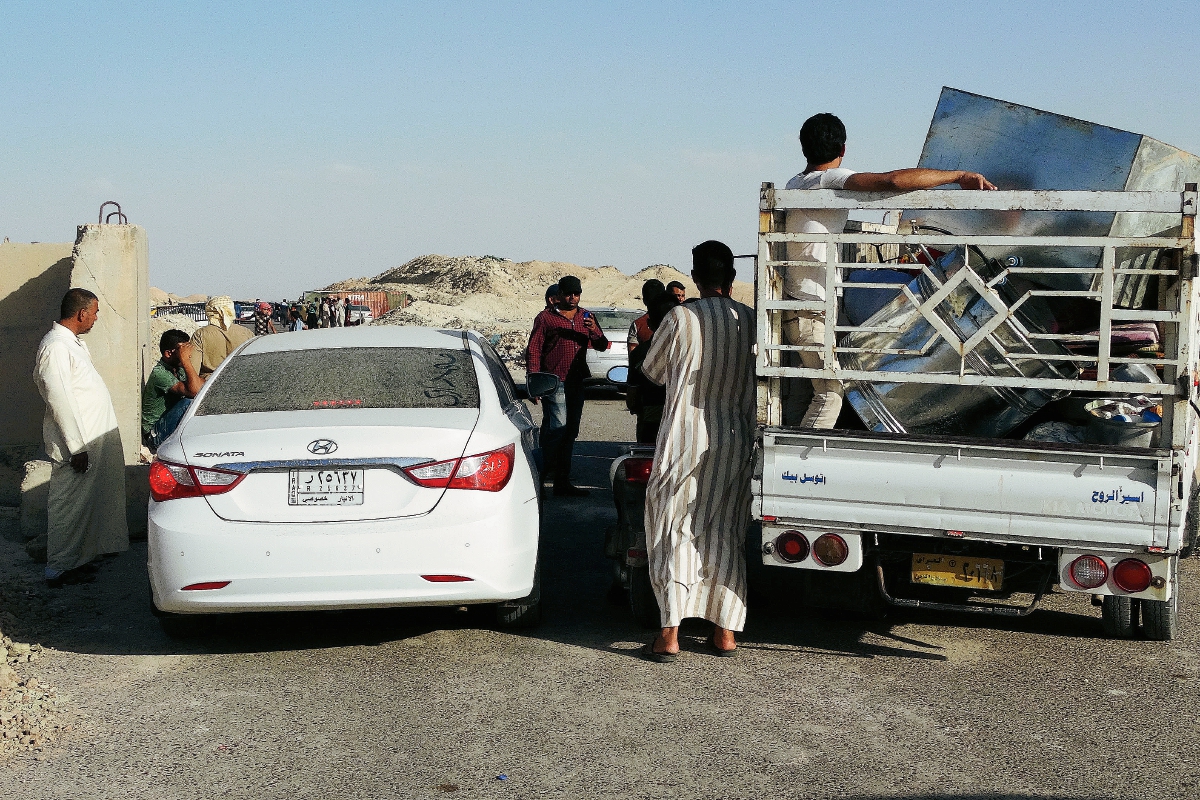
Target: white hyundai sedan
(349, 468)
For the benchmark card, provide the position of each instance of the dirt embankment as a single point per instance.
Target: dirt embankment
(500, 298)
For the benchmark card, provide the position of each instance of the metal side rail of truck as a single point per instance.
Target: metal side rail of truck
(932, 493)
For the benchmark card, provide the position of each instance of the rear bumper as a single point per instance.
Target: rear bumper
(272, 567)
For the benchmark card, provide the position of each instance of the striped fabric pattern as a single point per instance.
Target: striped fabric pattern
(698, 497)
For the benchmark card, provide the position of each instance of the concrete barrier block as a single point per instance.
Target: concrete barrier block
(35, 497)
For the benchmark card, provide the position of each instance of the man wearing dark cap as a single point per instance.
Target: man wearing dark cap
(559, 342)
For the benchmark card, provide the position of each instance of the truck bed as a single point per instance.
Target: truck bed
(1006, 491)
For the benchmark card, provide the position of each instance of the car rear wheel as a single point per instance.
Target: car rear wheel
(525, 612)
(1120, 616)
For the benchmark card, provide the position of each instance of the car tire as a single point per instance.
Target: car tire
(642, 601)
(1120, 616)
(177, 626)
(525, 612)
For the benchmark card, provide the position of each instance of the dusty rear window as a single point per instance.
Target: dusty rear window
(616, 319)
(369, 377)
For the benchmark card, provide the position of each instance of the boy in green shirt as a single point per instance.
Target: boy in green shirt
(170, 388)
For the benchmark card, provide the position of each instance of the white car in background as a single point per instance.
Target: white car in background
(360, 315)
(345, 468)
(615, 323)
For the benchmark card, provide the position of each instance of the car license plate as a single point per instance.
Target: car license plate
(967, 573)
(326, 487)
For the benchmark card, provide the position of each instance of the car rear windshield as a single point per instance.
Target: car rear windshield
(609, 320)
(368, 377)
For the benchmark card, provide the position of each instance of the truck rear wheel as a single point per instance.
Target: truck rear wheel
(1120, 616)
(642, 601)
(1160, 619)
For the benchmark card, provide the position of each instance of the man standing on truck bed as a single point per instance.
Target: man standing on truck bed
(698, 496)
(823, 140)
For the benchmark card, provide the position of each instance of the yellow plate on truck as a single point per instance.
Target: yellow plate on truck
(965, 573)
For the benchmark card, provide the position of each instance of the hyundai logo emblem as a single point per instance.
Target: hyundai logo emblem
(322, 447)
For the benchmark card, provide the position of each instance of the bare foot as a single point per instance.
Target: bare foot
(667, 641)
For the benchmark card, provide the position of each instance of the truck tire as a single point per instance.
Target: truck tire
(1120, 616)
(1160, 618)
(642, 601)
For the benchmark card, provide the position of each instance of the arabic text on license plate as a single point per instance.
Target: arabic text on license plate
(325, 487)
(967, 573)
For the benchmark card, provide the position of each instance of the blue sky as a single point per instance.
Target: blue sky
(272, 147)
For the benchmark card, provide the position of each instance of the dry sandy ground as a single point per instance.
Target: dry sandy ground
(424, 704)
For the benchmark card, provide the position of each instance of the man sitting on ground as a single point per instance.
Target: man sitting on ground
(170, 388)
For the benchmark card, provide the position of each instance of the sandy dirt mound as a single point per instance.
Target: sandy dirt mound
(500, 298)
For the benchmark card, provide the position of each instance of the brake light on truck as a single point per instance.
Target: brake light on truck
(830, 550)
(791, 546)
(1132, 575)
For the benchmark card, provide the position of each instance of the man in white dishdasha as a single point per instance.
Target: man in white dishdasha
(86, 510)
(698, 496)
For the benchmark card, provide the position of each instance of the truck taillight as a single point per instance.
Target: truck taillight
(791, 546)
(1132, 575)
(174, 481)
(830, 550)
(487, 472)
(1088, 572)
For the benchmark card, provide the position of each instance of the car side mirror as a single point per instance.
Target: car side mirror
(618, 375)
(540, 384)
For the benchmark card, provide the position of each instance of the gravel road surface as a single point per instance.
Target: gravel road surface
(422, 703)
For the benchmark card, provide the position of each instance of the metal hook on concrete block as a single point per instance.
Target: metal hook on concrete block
(119, 214)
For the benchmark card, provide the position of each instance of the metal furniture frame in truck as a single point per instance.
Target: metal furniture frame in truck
(966, 523)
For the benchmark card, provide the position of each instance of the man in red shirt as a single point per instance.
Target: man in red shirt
(559, 342)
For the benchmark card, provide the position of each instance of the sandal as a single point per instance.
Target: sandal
(650, 654)
(720, 651)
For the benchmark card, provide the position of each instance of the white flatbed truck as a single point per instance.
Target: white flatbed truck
(985, 525)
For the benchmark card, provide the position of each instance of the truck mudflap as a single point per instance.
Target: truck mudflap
(996, 490)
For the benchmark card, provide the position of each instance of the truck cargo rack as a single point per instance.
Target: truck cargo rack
(1171, 259)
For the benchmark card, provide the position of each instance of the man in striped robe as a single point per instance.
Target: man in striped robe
(698, 497)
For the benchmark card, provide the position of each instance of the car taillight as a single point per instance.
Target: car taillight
(791, 546)
(830, 550)
(174, 481)
(1088, 572)
(637, 470)
(1132, 575)
(488, 472)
